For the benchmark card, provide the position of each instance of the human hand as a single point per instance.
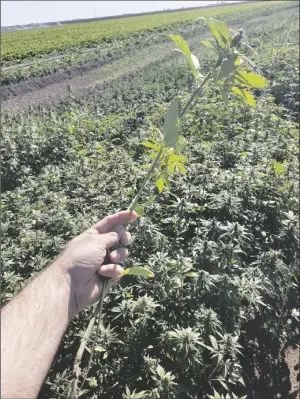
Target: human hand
(81, 260)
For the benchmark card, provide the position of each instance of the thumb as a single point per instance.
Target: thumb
(108, 240)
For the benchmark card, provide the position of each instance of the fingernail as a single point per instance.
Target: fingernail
(103, 268)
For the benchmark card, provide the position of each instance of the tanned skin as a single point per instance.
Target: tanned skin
(34, 322)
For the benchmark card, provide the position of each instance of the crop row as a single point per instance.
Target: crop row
(19, 45)
(223, 243)
(91, 58)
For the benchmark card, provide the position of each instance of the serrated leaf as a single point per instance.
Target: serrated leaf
(140, 208)
(209, 44)
(207, 347)
(183, 47)
(220, 31)
(213, 342)
(241, 381)
(251, 79)
(166, 180)
(82, 392)
(224, 385)
(149, 145)
(160, 184)
(191, 274)
(278, 168)
(175, 157)
(100, 349)
(245, 95)
(160, 371)
(180, 167)
(138, 271)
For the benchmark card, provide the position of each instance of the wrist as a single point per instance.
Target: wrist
(59, 274)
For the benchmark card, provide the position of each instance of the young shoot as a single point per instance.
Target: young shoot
(232, 74)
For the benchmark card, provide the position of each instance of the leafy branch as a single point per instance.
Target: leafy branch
(231, 74)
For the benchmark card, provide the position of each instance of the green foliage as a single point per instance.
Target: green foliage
(19, 45)
(227, 73)
(183, 47)
(222, 242)
(138, 271)
(172, 125)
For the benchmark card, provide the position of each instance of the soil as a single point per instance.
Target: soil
(77, 82)
(55, 87)
(47, 88)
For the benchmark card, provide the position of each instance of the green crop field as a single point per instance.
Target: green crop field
(220, 231)
(18, 45)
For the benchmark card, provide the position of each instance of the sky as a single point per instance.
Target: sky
(27, 12)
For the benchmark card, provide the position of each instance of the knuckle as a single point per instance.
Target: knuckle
(114, 235)
(102, 251)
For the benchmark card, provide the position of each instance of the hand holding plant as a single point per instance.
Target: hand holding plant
(229, 74)
(82, 259)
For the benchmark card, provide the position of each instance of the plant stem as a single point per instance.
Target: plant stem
(131, 208)
(76, 368)
(99, 311)
(194, 94)
(143, 185)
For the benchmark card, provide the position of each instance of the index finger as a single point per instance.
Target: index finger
(109, 222)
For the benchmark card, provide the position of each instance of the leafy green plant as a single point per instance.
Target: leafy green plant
(54, 192)
(227, 74)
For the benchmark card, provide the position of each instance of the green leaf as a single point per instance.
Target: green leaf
(149, 145)
(138, 271)
(251, 79)
(166, 180)
(196, 63)
(245, 95)
(223, 384)
(213, 342)
(100, 349)
(191, 274)
(278, 168)
(171, 126)
(140, 208)
(183, 47)
(241, 381)
(176, 161)
(228, 66)
(160, 371)
(209, 44)
(220, 31)
(160, 184)
(82, 392)
(207, 144)
(181, 143)
(207, 347)
(181, 158)
(180, 167)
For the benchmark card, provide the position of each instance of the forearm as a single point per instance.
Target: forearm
(32, 326)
